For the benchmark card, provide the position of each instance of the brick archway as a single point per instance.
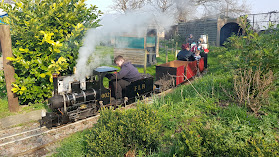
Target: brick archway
(228, 30)
(231, 24)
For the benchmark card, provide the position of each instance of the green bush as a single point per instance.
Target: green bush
(46, 36)
(216, 139)
(253, 49)
(120, 131)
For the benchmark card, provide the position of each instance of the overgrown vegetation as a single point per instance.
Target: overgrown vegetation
(227, 112)
(255, 58)
(252, 50)
(55, 31)
(252, 88)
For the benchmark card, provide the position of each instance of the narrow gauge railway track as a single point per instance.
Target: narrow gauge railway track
(39, 141)
(21, 135)
(28, 142)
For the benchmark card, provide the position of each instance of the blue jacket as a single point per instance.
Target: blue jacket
(185, 55)
(128, 72)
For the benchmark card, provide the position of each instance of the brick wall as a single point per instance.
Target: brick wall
(198, 28)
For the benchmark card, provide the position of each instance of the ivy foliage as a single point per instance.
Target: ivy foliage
(46, 36)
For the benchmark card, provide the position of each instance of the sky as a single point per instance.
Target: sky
(257, 6)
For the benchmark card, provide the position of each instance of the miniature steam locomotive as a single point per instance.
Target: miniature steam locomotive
(84, 98)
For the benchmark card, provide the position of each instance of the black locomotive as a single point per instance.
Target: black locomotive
(85, 98)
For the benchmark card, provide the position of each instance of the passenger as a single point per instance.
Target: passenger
(194, 48)
(124, 77)
(190, 40)
(193, 45)
(185, 54)
(200, 47)
(201, 41)
(204, 53)
(197, 54)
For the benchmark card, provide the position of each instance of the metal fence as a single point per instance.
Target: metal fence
(262, 21)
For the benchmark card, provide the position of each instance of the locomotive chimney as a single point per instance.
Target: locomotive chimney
(55, 83)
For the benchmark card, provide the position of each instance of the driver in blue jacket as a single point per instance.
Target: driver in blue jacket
(124, 77)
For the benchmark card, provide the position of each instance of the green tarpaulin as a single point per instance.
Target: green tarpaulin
(134, 42)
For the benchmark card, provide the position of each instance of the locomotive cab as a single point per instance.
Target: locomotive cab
(140, 87)
(104, 93)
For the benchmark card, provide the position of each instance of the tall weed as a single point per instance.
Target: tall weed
(252, 87)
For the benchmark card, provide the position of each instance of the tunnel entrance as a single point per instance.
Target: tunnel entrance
(228, 30)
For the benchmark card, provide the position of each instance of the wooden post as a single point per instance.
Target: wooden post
(145, 55)
(172, 40)
(157, 44)
(167, 54)
(9, 71)
(176, 50)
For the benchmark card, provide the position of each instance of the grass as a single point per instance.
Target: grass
(4, 108)
(74, 147)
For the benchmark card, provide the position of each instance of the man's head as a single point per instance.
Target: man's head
(191, 35)
(201, 40)
(185, 46)
(119, 60)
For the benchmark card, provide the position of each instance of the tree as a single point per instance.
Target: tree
(46, 36)
(228, 8)
(164, 5)
(233, 8)
(185, 9)
(128, 5)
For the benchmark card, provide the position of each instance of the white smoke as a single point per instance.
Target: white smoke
(133, 23)
(85, 66)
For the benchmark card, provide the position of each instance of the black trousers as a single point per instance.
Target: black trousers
(118, 85)
(205, 59)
